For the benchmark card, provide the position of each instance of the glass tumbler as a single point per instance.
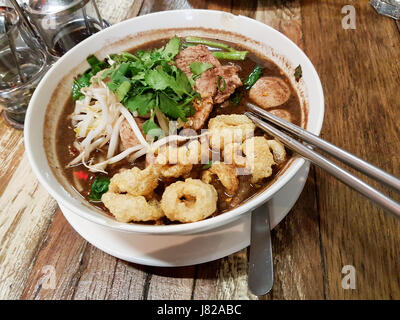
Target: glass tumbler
(63, 23)
(22, 65)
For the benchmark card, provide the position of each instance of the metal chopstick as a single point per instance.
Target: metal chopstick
(331, 149)
(365, 189)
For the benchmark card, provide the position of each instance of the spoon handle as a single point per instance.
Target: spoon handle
(261, 270)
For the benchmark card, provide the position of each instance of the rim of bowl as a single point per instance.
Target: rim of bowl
(194, 227)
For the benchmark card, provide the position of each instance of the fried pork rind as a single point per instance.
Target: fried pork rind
(233, 154)
(278, 151)
(226, 129)
(176, 170)
(186, 154)
(127, 208)
(176, 161)
(259, 159)
(189, 201)
(135, 182)
(128, 192)
(226, 174)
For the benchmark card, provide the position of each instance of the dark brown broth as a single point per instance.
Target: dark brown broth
(66, 136)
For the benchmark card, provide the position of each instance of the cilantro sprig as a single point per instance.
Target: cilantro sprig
(84, 80)
(149, 80)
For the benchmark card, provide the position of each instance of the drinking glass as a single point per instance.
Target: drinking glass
(63, 23)
(22, 65)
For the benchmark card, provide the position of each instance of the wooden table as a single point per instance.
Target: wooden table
(330, 227)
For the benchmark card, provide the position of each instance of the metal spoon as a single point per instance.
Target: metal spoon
(261, 269)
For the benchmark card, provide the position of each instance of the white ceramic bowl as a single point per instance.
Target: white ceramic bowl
(47, 102)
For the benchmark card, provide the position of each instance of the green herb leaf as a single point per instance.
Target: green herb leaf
(172, 48)
(253, 77)
(170, 107)
(147, 80)
(182, 82)
(157, 79)
(236, 97)
(99, 187)
(208, 165)
(143, 103)
(92, 60)
(84, 80)
(123, 89)
(152, 129)
(221, 88)
(298, 73)
(197, 68)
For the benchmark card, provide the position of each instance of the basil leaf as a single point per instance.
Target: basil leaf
(236, 97)
(99, 187)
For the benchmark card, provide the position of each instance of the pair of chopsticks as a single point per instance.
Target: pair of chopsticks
(314, 141)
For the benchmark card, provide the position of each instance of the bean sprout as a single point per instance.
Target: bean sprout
(97, 120)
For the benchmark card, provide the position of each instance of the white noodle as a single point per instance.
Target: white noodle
(112, 147)
(165, 140)
(116, 158)
(104, 117)
(85, 153)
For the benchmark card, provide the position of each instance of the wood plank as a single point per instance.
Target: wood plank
(223, 279)
(284, 16)
(26, 212)
(106, 277)
(360, 72)
(81, 271)
(134, 9)
(299, 268)
(11, 151)
(170, 283)
(63, 250)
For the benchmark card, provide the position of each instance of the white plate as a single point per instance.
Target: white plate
(183, 250)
